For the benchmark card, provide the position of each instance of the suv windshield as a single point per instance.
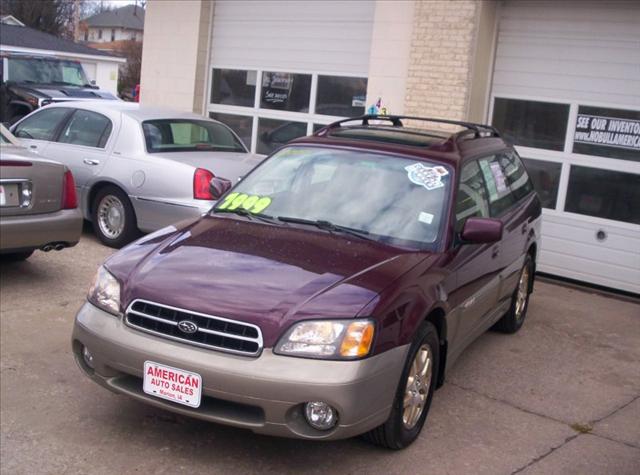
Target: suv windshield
(46, 71)
(185, 135)
(396, 200)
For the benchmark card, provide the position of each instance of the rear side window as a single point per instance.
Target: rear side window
(186, 135)
(42, 125)
(87, 128)
(500, 196)
(515, 174)
(472, 195)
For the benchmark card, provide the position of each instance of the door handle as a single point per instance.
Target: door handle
(33, 147)
(524, 228)
(89, 161)
(495, 251)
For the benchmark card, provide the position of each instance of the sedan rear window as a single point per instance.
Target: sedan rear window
(185, 135)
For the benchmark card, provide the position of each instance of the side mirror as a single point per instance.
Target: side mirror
(219, 186)
(481, 230)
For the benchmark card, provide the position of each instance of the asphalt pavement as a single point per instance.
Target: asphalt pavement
(561, 396)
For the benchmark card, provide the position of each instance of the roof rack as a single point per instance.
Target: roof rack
(478, 130)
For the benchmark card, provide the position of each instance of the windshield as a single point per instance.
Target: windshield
(185, 135)
(46, 71)
(392, 199)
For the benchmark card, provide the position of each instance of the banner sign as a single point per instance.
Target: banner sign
(608, 132)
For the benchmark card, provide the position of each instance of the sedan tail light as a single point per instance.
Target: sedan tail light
(201, 180)
(69, 197)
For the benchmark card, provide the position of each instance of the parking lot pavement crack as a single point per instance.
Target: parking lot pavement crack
(617, 441)
(546, 454)
(510, 404)
(633, 399)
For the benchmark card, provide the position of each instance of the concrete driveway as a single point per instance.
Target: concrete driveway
(561, 396)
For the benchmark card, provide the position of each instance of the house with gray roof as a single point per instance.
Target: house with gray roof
(121, 24)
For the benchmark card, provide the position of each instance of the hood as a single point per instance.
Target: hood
(62, 93)
(229, 165)
(270, 276)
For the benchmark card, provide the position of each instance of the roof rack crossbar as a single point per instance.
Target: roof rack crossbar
(396, 121)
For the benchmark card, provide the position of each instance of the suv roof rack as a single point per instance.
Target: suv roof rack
(478, 130)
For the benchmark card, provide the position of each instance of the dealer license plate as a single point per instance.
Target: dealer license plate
(173, 384)
(9, 195)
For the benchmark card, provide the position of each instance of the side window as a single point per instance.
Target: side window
(500, 196)
(472, 195)
(42, 125)
(516, 175)
(87, 128)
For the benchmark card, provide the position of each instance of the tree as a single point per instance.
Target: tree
(50, 16)
(130, 73)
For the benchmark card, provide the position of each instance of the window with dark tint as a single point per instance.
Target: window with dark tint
(531, 123)
(516, 175)
(42, 125)
(500, 196)
(240, 124)
(233, 87)
(273, 134)
(342, 96)
(472, 195)
(86, 128)
(604, 194)
(285, 91)
(607, 132)
(546, 178)
(186, 135)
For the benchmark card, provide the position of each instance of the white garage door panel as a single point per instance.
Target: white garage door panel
(563, 229)
(594, 251)
(312, 35)
(582, 69)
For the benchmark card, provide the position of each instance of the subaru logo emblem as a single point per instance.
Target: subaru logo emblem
(187, 326)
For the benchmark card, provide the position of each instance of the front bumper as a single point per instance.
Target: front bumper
(264, 394)
(32, 231)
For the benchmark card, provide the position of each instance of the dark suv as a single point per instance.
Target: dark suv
(329, 291)
(28, 82)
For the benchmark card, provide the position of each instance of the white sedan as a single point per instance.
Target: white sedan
(136, 168)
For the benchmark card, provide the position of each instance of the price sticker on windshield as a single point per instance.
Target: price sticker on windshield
(252, 203)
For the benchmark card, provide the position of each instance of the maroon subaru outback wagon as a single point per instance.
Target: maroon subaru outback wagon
(327, 293)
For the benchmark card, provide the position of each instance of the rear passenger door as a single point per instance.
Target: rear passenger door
(508, 185)
(82, 145)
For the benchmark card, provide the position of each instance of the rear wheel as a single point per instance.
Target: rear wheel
(512, 321)
(414, 393)
(16, 256)
(114, 220)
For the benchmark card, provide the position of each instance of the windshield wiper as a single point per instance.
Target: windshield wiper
(243, 212)
(329, 226)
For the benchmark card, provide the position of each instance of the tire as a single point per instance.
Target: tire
(395, 434)
(113, 217)
(17, 256)
(513, 320)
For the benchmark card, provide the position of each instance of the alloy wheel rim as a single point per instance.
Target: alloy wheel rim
(521, 296)
(111, 216)
(417, 387)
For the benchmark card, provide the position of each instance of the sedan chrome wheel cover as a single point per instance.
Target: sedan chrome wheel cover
(523, 290)
(111, 216)
(418, 385)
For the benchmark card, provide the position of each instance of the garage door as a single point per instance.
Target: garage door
(280, 69)
(566, 91)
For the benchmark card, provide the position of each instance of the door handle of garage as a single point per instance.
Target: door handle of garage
(89, 161)
(495, 251)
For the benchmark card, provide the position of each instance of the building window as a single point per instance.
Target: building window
(532, 123)
(607, 132)
(273, 134)
(113, 35)
(233, 87)
(341, 96)
(546, 179)
(99, 34)
(86, 36)
(285, 91)
(242, 125)
(604, 194)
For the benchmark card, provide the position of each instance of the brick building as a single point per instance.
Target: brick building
(561, 79)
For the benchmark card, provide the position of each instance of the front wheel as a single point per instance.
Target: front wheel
(414, 393)
(114, 220)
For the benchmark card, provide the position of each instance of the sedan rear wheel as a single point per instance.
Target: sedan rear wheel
(114, 220)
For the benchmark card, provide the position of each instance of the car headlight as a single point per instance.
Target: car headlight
(328, 339)
(105, 292)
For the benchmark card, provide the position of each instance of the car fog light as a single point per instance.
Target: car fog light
(320, 415)
(87, 357)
